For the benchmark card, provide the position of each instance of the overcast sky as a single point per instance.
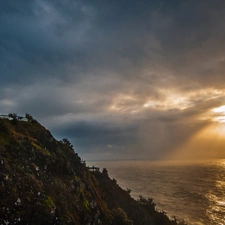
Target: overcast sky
(121, 79)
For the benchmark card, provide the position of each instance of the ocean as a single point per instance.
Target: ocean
(190, 191)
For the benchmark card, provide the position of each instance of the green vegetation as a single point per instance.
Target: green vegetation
(48, 202)
(43, 181)
(120, 217)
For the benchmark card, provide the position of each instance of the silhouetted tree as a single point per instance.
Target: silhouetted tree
(30, 118)
(147, 203)
(128, 190)
(12, 115)
(66, 142)
(105, 172)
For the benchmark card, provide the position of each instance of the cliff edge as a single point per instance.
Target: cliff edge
(43, 181)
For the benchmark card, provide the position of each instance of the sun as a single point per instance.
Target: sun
(220, 114)
(219, 120)
(220, 109)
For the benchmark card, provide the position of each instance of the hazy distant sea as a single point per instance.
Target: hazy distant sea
(193, 191)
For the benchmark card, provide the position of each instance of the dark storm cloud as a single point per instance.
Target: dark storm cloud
(31, 40)
(99, 138)
(44, 37)
(101, 133)
(195, 41)
(114, 75)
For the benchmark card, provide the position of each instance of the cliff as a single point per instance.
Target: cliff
(43, 181)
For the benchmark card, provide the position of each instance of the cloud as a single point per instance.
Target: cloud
(140, 77)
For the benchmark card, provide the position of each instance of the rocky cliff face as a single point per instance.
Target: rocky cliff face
(43, 181)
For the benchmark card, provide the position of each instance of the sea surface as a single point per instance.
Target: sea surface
(191, 191)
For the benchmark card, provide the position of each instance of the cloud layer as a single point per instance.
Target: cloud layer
(120, 79)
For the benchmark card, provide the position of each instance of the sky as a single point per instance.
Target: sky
(121, 79)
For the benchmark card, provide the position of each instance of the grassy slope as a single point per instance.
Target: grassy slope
(43, 181)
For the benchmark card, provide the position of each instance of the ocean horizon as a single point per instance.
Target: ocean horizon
(193, 191)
